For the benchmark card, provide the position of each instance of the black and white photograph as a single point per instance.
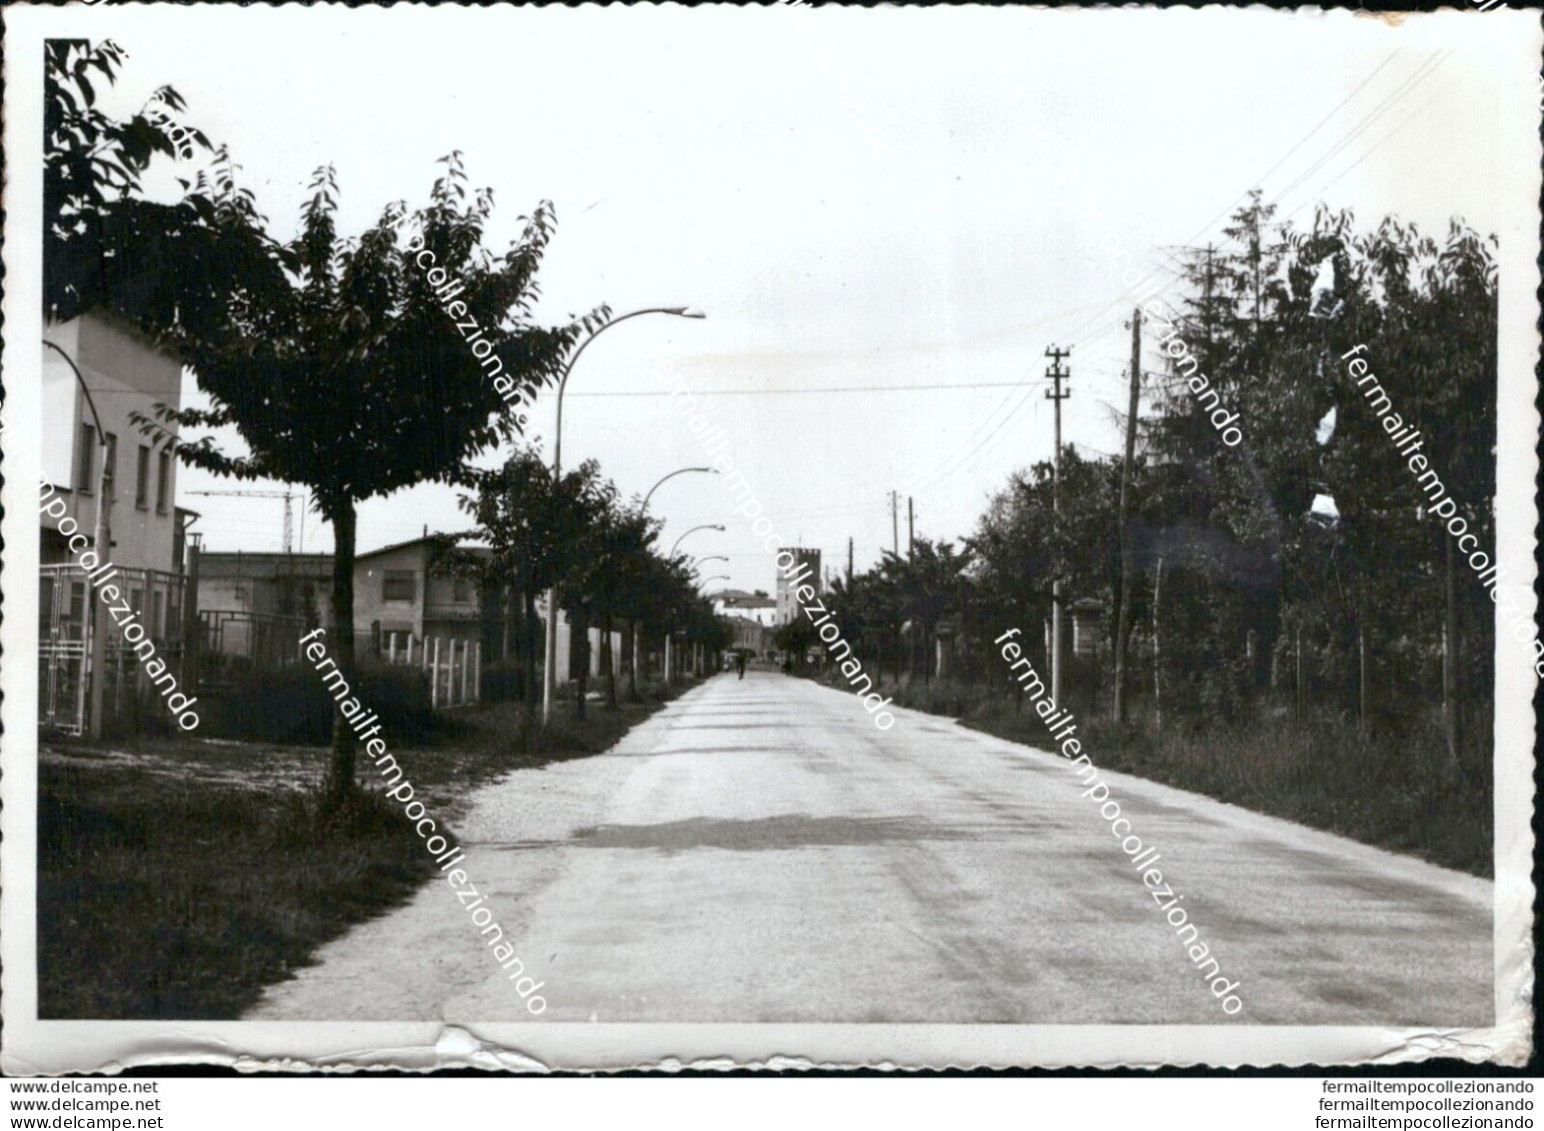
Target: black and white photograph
(596, 538)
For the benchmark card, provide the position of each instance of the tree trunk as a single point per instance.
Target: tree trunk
(579, 647)
(1452, 708)
(629, 666)
(340, 772)
(1157, 651)
(608, 661)
(1302, 696)
(509, 600)
(1364, 692)
(531, 631)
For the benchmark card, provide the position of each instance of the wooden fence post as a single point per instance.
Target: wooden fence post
(434, 673)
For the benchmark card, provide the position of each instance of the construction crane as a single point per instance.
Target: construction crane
(289, 525)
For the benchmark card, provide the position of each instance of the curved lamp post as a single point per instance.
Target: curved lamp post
(672, 475)
(698, 653)
(671, 556)
(549, 674)
(102, 539)
(710, 558)
(705, 526)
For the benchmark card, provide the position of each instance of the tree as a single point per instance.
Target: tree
(584, 559)
(629, 540)
(163, 267)
(519, 519)
(352, 378)
(796, 638)
(928, 586)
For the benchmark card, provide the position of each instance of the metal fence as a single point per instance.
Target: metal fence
(64, 644)
(234, 643)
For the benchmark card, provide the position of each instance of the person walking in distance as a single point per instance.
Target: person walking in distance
(739, 663)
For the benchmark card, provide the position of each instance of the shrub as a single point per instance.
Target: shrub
(502, 681)
(292, 705)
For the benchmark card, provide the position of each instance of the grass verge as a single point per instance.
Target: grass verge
(177, 879)
(1392, 787)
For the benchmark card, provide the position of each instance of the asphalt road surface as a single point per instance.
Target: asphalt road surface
(759, 851)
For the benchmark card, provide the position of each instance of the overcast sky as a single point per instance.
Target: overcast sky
(856, 198)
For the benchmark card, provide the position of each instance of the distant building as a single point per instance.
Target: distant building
(408, 590)
(805, 571)
(256, 605)
(290, 585)
(1088, 626)
(750, 637)
(757, 606)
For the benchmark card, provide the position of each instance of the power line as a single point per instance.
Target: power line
(1413, 80)
(796, 391)
(956, 463)
(1377, 146)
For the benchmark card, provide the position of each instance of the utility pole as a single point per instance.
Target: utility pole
(895, 523)
(911, 528)
(849, 564)
(1123, 617)
(1056, 375)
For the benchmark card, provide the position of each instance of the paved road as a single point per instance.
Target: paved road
(758, 851)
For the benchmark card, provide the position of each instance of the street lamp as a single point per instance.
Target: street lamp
(549, 674)
(671, 555)
(672, 475)
(716, 577)
(102, 544)
(705, 526)
(710, 558)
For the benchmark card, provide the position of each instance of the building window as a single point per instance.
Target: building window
(88, 443)
(158, 611)
(110, 469)
(461, 590)
(399, 585)
(142, 478)
(163, 482)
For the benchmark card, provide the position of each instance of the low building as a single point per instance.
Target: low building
(410, 590)
(750, 637)
(278, 584)
(255, 606)
(1089, 629)
(757, 606)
